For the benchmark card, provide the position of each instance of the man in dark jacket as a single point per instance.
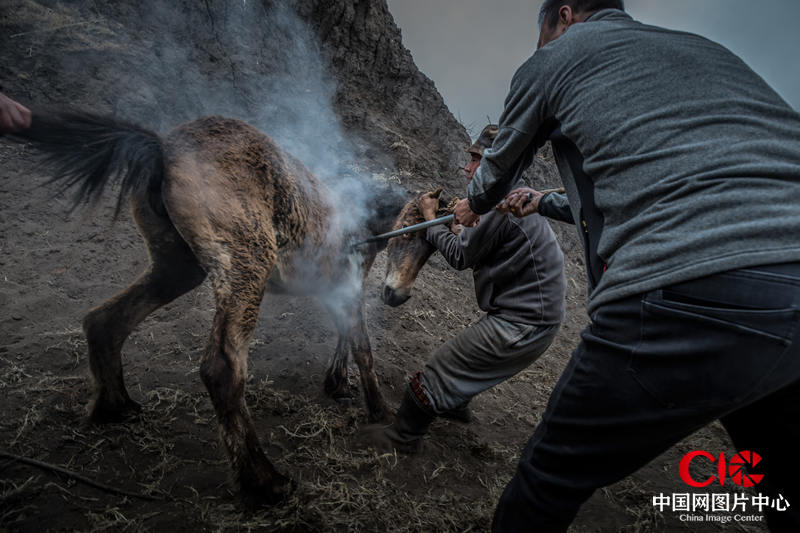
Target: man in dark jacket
(518, 270)
(682, 170)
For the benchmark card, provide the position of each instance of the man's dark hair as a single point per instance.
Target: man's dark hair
(549, 11)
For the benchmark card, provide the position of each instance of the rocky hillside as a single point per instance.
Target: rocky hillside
(332, 82)
(322, 77)
(384, 94)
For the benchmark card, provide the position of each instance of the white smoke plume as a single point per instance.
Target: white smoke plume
(221, 58)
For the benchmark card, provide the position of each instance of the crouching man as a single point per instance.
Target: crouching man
(518, 270)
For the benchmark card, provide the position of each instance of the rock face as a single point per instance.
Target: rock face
(385, 94)
(330, 80)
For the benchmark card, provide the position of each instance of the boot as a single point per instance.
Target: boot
(461, 414)
(410, 424)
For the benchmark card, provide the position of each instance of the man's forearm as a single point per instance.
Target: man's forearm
(13, 115)
(448, 245)
(510, 154)
(467, 248)
(556, 206)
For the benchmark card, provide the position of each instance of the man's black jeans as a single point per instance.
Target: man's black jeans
(652, 369)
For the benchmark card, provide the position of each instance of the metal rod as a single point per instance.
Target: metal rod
(408, 229)
(435, 222)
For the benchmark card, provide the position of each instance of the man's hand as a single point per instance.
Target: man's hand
(464, 214)
(428, 204)
(516, 202)
(13, 115)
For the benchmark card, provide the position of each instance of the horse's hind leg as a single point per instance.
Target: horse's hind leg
(173, 271)
(238, 291)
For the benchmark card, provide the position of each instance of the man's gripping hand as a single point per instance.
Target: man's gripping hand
(521, 202)
(13, 115)
(464, 214)
(428, 204)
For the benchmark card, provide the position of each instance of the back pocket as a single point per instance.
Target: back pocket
(704, 348)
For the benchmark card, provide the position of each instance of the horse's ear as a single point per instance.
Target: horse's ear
(445, 207)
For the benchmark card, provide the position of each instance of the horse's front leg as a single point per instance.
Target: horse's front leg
(337, 386)
(362, 353)
(337, 383)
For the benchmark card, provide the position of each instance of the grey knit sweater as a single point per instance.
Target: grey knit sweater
(678, 160)
(516, 263)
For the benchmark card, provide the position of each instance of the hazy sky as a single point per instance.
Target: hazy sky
(471, 48)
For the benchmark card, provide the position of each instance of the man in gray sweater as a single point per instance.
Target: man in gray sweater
(518, 269)
(682, 171)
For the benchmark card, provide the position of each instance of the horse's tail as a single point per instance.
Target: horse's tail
(87, 151)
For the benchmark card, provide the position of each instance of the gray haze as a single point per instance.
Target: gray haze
(298, 115)
(471, 48)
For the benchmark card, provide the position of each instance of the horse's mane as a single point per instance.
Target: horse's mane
(386, 201)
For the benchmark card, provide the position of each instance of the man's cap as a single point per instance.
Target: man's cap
(484, 140)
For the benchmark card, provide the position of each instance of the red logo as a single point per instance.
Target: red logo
(733, 469)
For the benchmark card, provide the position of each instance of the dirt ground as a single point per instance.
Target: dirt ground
(55, 266)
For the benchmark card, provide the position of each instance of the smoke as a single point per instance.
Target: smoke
(256, 60)
(298, 113)
(302, 119)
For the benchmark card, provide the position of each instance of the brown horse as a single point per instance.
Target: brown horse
(407, 254)
(217, 198)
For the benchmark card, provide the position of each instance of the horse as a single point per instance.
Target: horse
(407, 254)
(216, 198)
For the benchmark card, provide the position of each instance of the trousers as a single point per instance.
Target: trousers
(652, 369)
(479, 357)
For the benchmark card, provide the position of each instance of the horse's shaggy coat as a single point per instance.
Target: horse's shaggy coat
(407, 254)
(217, 198)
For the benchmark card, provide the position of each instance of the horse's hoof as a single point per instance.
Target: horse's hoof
(276, 490)
(108, 412)
(345, 399)
(337, 388)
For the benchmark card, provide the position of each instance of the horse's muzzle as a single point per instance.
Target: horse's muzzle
(394, 297)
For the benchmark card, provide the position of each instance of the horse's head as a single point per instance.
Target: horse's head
(407, 253)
